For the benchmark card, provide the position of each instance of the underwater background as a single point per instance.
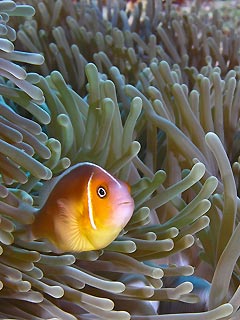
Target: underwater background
(151, 92)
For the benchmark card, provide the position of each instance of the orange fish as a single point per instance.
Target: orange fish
(85, 210)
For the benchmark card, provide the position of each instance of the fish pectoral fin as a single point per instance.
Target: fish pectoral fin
(79, 242)
(64, 208)
(68, 209)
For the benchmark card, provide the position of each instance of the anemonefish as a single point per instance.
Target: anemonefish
(86, 209)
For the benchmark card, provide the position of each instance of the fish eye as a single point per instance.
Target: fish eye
(102, 192)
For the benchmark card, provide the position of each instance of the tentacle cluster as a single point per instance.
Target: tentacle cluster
(132, 92)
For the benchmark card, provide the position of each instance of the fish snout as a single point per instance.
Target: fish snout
(124, 211)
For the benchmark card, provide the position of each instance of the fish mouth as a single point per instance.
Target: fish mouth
(126, 202)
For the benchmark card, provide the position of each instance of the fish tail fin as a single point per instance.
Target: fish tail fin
(25, 231)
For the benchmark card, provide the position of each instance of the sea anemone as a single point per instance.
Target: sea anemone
(152, 96)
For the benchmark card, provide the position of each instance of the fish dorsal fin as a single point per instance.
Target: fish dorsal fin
(46, 189)
(48, 186)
